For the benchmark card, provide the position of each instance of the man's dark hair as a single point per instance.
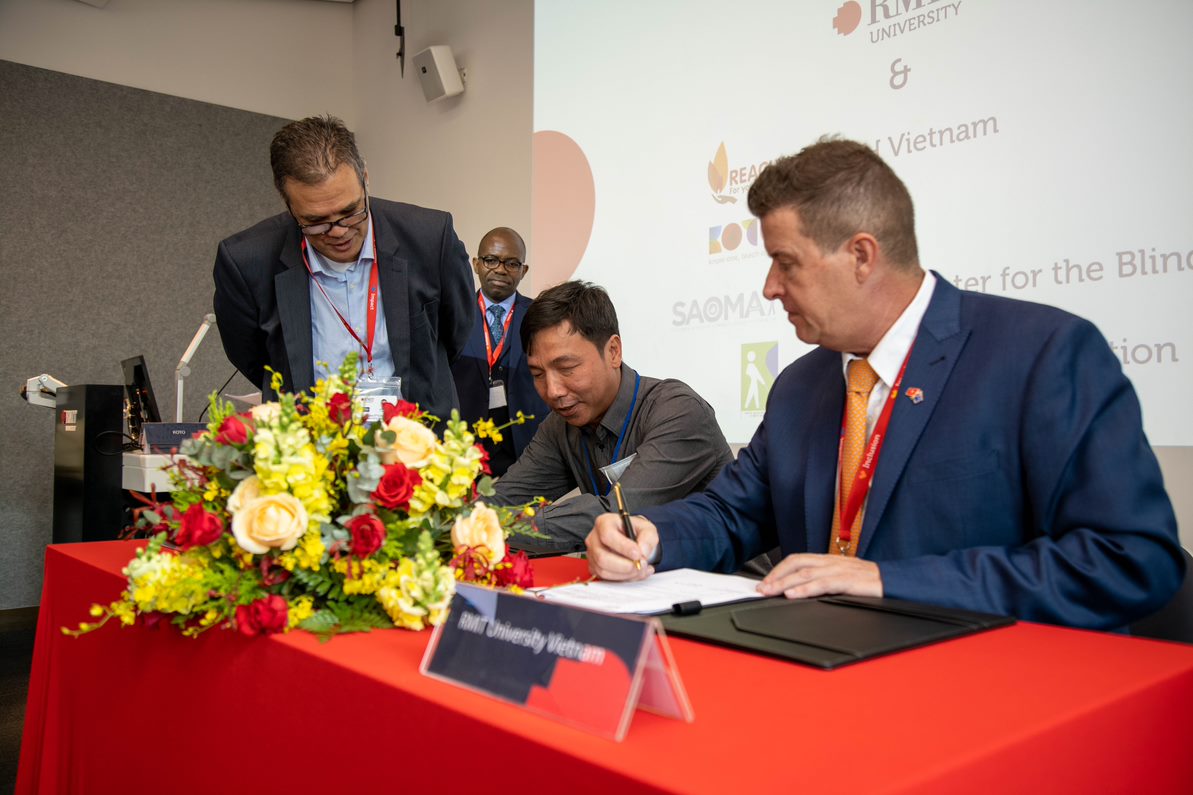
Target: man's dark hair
(311, 149)
(840, 188)
(583, 304)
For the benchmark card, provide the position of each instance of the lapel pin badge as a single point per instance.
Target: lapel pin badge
(916, 394)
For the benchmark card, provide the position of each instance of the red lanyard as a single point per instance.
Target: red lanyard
(372, 308)
(848, 506)
(490, 354)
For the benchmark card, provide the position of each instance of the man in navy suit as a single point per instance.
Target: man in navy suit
(294, 292)
(1005, 468)
(491, 376)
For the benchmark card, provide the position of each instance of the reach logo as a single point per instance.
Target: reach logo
(891, 18)
(727, 183)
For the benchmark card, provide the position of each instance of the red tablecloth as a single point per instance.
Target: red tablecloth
(1025, 708)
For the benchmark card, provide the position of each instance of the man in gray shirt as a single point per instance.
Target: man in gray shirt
(602, 412)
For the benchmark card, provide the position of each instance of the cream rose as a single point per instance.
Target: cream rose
(482, 528)
(274, 521)
(245, 492)
(414, 445)
(266, 412)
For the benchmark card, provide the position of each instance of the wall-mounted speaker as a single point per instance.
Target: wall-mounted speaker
(438, 73)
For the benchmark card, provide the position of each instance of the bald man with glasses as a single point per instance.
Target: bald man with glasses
(341, 272)
(492, 377)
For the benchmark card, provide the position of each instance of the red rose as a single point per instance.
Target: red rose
(515, 570)
(368, 534)
(198, 528)
(400, 409)
(233, 431)
(484, 459)
(263, 617)
(339, 408)
(150, 620)
(272, 572)
(397, 486)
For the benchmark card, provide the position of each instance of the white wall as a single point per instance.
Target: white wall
(283, 58)
(469, 154)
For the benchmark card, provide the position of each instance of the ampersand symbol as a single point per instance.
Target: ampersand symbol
(899, 74)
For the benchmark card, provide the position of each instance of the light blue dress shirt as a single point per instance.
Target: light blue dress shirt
(507, 305)
(349, 291)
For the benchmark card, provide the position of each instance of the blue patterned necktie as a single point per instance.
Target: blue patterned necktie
(496, 330)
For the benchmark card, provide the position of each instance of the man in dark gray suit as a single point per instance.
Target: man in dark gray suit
(342, 272)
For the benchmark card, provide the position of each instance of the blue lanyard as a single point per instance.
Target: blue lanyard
(617, 449)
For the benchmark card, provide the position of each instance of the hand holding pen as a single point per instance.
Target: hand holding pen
(613, 555)
(626, 524)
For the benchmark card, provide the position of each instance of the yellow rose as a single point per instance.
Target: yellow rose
(414, 445)
(275, 521)
(245, 492)
(481, 529)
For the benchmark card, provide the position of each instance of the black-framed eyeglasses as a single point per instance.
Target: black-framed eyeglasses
(511, 264)
(348, 221)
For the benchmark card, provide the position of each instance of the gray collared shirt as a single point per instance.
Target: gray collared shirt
(673, 431)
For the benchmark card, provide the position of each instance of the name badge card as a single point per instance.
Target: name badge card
(587, 669)
(372, 391)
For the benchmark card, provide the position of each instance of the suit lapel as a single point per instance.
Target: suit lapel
(474, 348)
(394, 275)
(937, 347)
(293, 290)
(521, 304)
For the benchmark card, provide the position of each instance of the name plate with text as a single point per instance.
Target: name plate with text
(587, 669)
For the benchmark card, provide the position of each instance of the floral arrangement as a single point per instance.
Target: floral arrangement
(300, 514)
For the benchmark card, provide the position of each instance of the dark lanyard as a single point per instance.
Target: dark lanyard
(493, 355)
(374, 284)
(617, 448)
(850, 503)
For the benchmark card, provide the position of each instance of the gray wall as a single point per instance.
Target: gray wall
(112, 204)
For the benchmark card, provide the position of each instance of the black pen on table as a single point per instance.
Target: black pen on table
(626, 524)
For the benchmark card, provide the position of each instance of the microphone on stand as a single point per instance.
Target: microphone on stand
(184, 369)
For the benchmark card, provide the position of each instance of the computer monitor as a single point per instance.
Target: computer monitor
(142, 405)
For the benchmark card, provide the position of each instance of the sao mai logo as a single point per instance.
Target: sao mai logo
(759, 365)
(718, 176)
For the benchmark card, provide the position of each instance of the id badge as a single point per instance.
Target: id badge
(497, 394)
(372, 391)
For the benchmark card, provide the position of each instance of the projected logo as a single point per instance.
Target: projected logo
(563, 206)
(759, 366)
(730, 236)
(728, 183)
(847, 18)
(892, 18)
(718, 176)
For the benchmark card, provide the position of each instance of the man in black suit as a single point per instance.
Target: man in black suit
(301, 290)
(491, 375)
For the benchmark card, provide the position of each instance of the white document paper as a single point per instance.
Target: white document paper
(656, 594)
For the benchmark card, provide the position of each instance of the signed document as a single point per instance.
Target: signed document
(656, 594)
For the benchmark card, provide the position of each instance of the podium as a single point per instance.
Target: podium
(88, 442)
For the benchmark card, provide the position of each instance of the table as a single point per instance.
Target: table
(1024, 708)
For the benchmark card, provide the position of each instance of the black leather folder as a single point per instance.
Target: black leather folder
(830, 631)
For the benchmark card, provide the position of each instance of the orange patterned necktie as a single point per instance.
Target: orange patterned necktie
(861, 380)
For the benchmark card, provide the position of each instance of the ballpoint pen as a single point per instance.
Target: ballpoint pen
(626, 524)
